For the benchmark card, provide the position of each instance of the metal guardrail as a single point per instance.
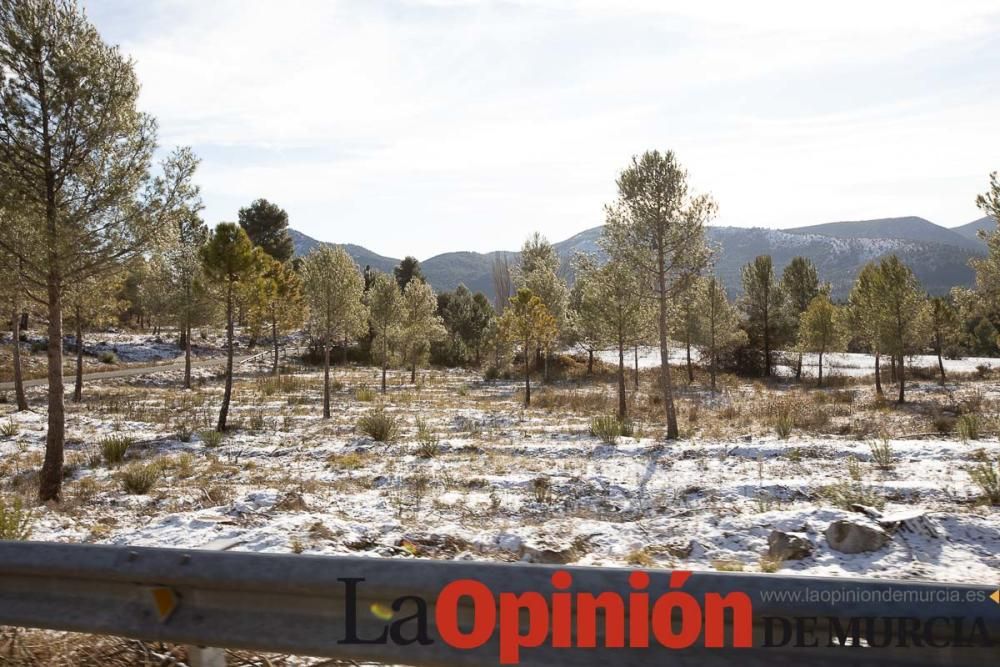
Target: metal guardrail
(301, 604)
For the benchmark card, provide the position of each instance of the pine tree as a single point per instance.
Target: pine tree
(945, 328)
(90, 303)
(718, 330)
(527, 323)
(988, 268)
(407, 270)
(904, 314)
(800, 285)
(656, 229)
(539, 272)
(763, 302)
(334, 290)
(384, 303)
(75, 155)
(420, 325)
(278, 304)
(12, 304)
(685, 322)
(267, 226)
(821, 329)
(230, 262)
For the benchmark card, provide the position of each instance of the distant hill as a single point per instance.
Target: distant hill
(971, 230)
(938, 256)
(910, 228)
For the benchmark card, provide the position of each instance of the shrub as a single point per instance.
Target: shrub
(987, 477)
(854, 468)
(364, 394)
(15, 520)
(969, 427)
(845, 494)
(542, 488)
(211, 439)
(346, 461)
(427, 441)
(640, 558)
(783, 424)
(609, 427)
(257, 421)
(115, 447)
(10, 429)
(492, 373)
(184, 432)
(138, 479)
(882, 455)
(379, 425)
(108, 357)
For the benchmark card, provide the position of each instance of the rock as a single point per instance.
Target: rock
(910, 521)
(853, 538)
(788, 546)
(678, 550)
(546, 551)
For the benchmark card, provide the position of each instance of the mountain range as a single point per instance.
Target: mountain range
(939, 256)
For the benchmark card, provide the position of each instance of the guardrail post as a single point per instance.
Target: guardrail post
(202, 656)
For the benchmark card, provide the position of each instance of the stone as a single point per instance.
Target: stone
(680, 550)
(788, 546)
(850, 537)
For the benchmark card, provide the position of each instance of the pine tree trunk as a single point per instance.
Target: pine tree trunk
(892, 361)
(689, 366)
(635, 375)
(878, 375)
(767, 347)
(621, 378)
(78, 388)
(940, 361)
(798, 368)
(666, 383)
(527, 377)
(545, 370)
(187, 355)
(227, 395)
(902, 380)
(24, 321)
(821, 368)
(22, 401)
(274, 335)
(413, 374)
(326, 378)
(50, 479)
(715, 360)
(590, 362)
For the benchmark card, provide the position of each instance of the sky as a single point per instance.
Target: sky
(414, 127)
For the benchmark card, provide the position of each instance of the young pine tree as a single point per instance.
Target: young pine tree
(865, 305)
(821, 329)
(903, 312)
(945, 329)
(800, 285)
(90, 303)
(656, 229)
(527, 324)
(763, 303)
(230, 261)
(988, 268)
(278, 304)
(334, 290)
(718, 330)
(384, 303)
(420, 325)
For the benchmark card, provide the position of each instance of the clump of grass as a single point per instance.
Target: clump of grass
(987, 477)
(542, 488)
(770, 564)
(379, 425)
(108, 357)
(969, 427)
(640, 558)
(257, 421)
(845, 494)
(364, 394)
(115, 447)
(783, 424)
(139, 479)
(347, 461)
(609, 427)
(16, 520)
(882, 455)
(184, 432)
(427, 441)
(854, 468)
(9, 429)
(726, 565)
(211, 438)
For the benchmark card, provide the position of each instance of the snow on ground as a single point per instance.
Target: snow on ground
(834, 363)
(506, 484)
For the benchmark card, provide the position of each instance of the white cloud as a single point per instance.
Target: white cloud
(419, 127)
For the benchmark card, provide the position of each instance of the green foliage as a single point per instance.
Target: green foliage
(882, 454)
(211, 439)
(379, 425)
(986, 476)
(9, 429)
(115, 447)
(763, 304)
(108, 357)
(821, 329)
(783, 423)
(364, 394)
(609, 427)
(184, 432)
(420, 324)
(969, 427)
(267, 226)
(407, 270)
(139, 478)
(16, 520)
(428, 444)
(846, 494)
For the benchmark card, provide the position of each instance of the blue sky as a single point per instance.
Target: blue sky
(423, 126)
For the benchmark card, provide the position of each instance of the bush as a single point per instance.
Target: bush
(10, 429)
(15, 520)
(609, 427)
(39, 346)
(211, 439)
(364, 394)
(108, 357)
(969, 427)
(427, 441)
(138, 479)
(783, 424)
(492, 373)
(987, 477)
(845, 494)
(379, 425)
(882, 455)
(184, 432)
(114, 448)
